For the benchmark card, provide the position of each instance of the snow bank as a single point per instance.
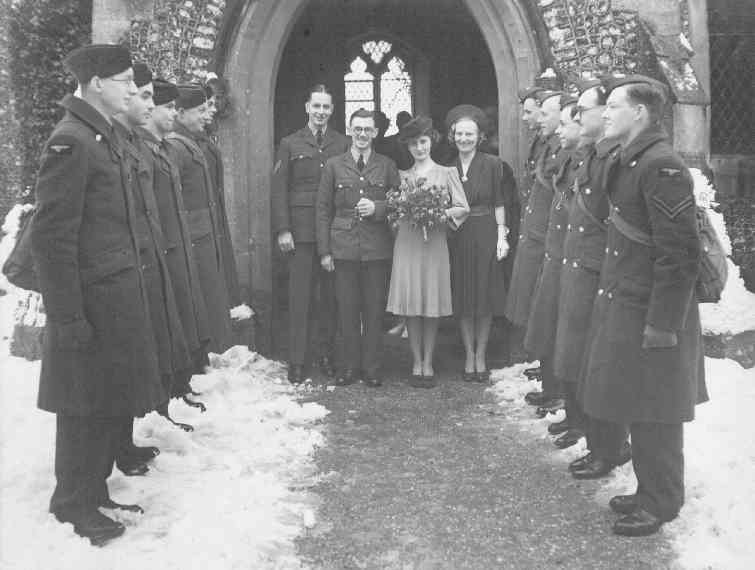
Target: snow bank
(714, 529)
(232, 494)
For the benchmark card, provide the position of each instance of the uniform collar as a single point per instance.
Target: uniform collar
(88, 114)
(355, 155)
(314, 131)
(641, 142)
(604, 147)
(147, 135)
(183, 131)
(122, 130)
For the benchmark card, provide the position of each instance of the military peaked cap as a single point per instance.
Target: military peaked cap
(190, 96)
(164, 91)
(102, 60)
(142, 74)
(546, 94)
(611, 82)
(529, 93)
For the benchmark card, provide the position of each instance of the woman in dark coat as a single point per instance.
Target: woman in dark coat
(477, 270)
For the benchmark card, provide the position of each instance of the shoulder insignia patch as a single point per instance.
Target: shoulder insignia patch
(61, 148)
(277, 167)
(671, 211)
(669, 172)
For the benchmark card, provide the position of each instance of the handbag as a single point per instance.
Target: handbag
(19, 268)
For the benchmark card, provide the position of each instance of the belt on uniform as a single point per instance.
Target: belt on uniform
(480, 210)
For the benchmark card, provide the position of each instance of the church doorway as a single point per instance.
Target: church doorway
(435, 54)
(419, 56)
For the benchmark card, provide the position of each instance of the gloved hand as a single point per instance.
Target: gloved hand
(657, 338)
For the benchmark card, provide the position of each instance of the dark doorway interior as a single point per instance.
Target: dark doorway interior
(445, 51)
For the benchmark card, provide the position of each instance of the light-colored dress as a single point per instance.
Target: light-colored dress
(421, 274)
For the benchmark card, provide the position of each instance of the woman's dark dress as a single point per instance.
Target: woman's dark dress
(478, 281)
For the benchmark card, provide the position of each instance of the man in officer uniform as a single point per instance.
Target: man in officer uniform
(99, 365)
(354, 240)
(296, 176)
(645, 361)
(583, 255)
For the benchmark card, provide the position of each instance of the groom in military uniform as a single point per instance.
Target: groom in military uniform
(296, 176)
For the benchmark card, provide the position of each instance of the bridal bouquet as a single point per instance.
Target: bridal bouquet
(422, 205)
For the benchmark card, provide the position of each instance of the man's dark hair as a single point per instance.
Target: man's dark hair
(652, 96)
(403, 117)
(362, 114)
(318, 88)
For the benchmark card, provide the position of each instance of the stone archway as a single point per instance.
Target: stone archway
(260, 29)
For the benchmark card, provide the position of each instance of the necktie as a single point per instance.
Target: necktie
(360, 163)
(318, 136)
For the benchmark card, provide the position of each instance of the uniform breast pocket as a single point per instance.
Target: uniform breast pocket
(377, 191)
(305, 166)
(344, 195)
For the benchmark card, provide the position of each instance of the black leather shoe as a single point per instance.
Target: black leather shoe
(111, 504)
(550, 406)
(296, 373)
(326, 366)
(533, 373)
(93, 525)
(568, 438)
(143, 454)
(131, 468)
(372, 381)
(580, 462)
(535, 398)
(637, 523)
(347, 377)
(415, 381)
(483, 377)
(623, 504)
(595, 469)
(468, 376)
(556, 428)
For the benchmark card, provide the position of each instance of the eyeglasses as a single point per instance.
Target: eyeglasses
(360, 130)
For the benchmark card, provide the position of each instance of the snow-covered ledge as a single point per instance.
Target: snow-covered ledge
(729, 325)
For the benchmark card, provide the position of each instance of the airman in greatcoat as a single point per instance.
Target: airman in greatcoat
(99, 365)
(202, 212)
(583, 255)
(530, 248)
(644, 364)
(299, 165)
(541, 327)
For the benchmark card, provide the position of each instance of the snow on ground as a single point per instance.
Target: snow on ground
(232, 494)
(714, 529)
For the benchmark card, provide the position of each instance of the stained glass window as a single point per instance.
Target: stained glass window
(378, 78)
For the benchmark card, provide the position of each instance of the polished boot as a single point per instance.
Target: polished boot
(296, 373)
(93, 525)
(549, 406)
(637, 523)
(623, 504)
(568, 438)
(143, 454)
(372, 381)
(580, 462)
(131, 467)
(559, 427)
(535, 398)
(533, 373)
(326, 366)
(594, 469)
(347, 377)
(111, 504)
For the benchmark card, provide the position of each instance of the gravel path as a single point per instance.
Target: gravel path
(425, 479)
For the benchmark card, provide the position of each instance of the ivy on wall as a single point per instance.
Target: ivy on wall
(10, 161)
(40, 34)
(178, 41)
